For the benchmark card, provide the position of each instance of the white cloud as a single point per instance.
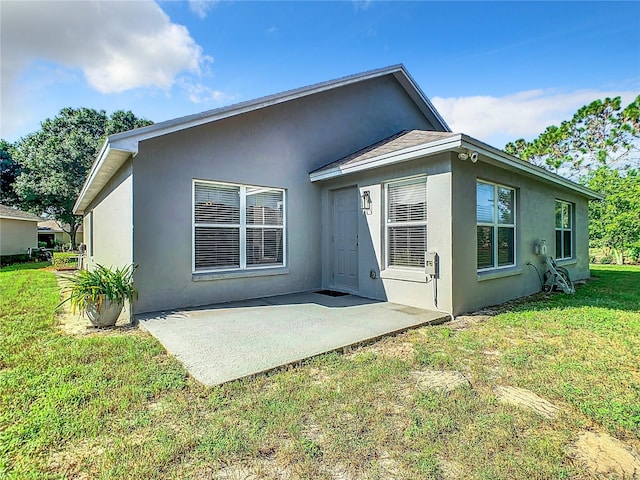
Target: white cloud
(198, 93)
(201, 7)
(526, 114)
(361, 4)
(118, 46)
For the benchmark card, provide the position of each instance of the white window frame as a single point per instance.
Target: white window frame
(496, 224)
(388, 225)
(562, 229)
(242, 227)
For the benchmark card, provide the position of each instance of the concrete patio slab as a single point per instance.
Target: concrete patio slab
(224, 342)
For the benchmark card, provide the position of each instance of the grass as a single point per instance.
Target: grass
(114, 406)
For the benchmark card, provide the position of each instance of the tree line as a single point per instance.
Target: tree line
(598, 147)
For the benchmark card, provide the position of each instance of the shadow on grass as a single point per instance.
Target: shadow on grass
(25, 266)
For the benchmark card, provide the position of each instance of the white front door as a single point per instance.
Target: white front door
(346, 209)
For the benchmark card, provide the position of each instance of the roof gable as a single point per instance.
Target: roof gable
(119, 147)
(129, 140)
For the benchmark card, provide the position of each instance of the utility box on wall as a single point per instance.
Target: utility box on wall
(431, 264)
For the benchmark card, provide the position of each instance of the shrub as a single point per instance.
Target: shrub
(11, 259)
(92, 286)
(606, 259)
(65, 261)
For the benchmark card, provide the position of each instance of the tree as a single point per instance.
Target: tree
(601, 134)
(615, 222)
(9, 171)
(598, 147)
(55, 160)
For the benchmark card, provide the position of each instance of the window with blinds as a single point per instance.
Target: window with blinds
(496, 225)
(237, 227)
(406, 223)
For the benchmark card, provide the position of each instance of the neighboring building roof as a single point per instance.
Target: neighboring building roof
(410, 145)
(15, 214)
(119, 147)
(52, 226)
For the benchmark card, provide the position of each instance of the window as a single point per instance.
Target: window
(496, 225)
(406, 223)
(237, 227)
(564, 230)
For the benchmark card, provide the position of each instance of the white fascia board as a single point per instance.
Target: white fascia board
(404, 155)
(414, 91)
(502, 158)
(92, 173)
(129, 140)
(97, 179)
(7, 217)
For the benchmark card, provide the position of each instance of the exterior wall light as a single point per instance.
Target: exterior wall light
(365, 200)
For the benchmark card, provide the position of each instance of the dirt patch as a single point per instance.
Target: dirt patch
(440, 380)
(463, 322)
(71, 463)
(605, 456)
(451, 470)
(527, 399)
(76, 324)
(393, 347)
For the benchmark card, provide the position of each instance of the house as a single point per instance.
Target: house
(18, 231)
(343, 185)
(51, 233)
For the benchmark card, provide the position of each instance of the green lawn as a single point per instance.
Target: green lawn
(116, 405)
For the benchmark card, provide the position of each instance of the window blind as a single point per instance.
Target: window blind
(237, 226)
(406, 232)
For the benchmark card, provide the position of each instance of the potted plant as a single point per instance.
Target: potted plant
(101, 293)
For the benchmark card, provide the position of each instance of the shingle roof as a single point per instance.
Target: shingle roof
(52, 226)
(9, 212)
(394, 143)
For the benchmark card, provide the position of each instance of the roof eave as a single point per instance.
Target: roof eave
(502, 158)
(452, 143)
(107, 162)
(26, 219)
(129, 140)
(404, 155)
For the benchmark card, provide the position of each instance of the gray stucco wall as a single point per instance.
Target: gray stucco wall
(403, 286)
(451, 232)
(16, 236)
(535, 221)
(273, 147)
(108, 222)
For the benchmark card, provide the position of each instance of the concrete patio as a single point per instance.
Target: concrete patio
(224, 342)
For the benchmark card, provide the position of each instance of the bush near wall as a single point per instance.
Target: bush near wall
(11, 259)
(65, 261)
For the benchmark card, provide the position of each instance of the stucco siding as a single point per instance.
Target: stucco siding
(535, 221)
(272, 147)
(402, 286)
(108, 222)
(16, 236)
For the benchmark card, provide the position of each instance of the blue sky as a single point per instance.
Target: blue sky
(495, 70)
